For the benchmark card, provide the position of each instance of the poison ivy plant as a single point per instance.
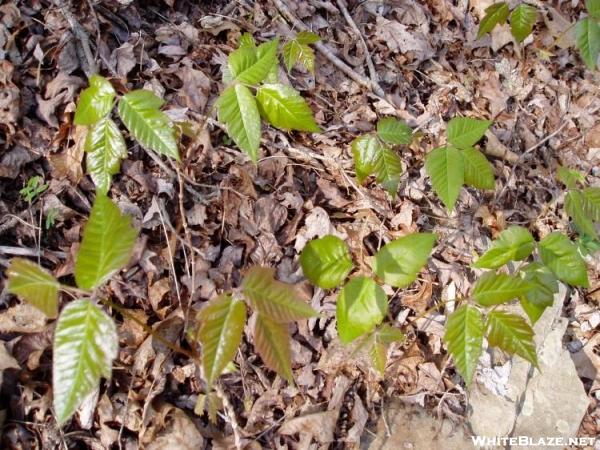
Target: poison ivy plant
(522, 19)
(374, 153)
(104, 144)
(588, 34)
(581, 204)
(459, 162)
(253, 91)
(221, 323)
(85, 338)
(298, 51)
(534, 285)
(362, 303)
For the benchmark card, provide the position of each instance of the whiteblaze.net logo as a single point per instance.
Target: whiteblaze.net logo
(528, 441)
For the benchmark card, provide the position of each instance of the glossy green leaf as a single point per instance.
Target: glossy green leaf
(588, 41)
(284, 108)
(239, 112)
(326, 262)
(496, 288)
(494, 14)
(105, 149)
(240, 59)
(388, 168)
(593, 8)
(569, 177)
(273, 299)
(361, 306)
(591, 203)
(246, 70)
(514, 244)
(95, 102)
(272, 343)
(107, 244)
(465, 132)
(139, 111)
(394, 131)
(522, 20)
(85, 345)
(33, 284)
(398, 262)
(298, 51)
(479, 172)
(561, 256)
(222, 323)
(365, 150)
(445, 166)
(541, 296)
(464, 338)
(512, 334)
(574, 206)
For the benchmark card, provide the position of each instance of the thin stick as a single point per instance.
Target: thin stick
(85, 53)
(230, 415)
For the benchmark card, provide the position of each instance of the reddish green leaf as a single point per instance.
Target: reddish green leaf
(272, 342)
(512, 334)
(33, 284)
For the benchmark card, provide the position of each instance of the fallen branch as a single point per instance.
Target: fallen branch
(329, 54)
(84, 51)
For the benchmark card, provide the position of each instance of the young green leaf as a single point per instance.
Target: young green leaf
(221, 326)
(139, 111)
(388, 168)
(240, 59)
(272, 342)
(361, 306)
(378, 354)
(522, 20)
(273, 299)
(246, 71)
(588, 41)
(593, 8)
(85, 345)
(561, 256)
(464, 338)
(512, 334)
(445, 166)
(494, 15)
(494, 289)
(514, 244)
(591, 203)
(95, 102)
(479, 172)
(570, 177)
(247, 40)
(239, 112)
(465, 132)
(365, 150)
(298, 51)
(326, 262)
(107, 244)
(284, 108)
(33, 284)
(398, 262)
(387, 334)
(394, 131)
(574, 206)
(105, 149)
(535, 301)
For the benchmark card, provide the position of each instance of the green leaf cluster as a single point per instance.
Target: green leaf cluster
(522, 19)
(104, 144)
(362, 304)
(581, 204)
(298, 51)
(374, 154)
(85, 339)
(221, 323)
(460, 162)
(253, 92)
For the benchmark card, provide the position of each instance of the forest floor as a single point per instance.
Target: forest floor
(544, 104)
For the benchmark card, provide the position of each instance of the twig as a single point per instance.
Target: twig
(83, 49)
(352, 23)
(230, 415)
(328, 53)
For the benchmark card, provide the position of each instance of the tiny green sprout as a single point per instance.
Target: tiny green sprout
(33, 188)
(51, 217)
